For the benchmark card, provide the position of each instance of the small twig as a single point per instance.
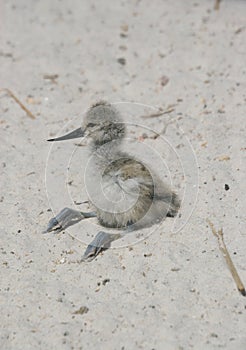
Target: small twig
(10, 93)
(158, 114)
(80, 144)
(51, 77)
(163, 131)
(217, 4)
(228, 259)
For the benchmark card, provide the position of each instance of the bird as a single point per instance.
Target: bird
(125, 193)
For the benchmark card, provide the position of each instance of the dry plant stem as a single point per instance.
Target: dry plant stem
(228, 259)
(10, 93)
(163, 131)
(158, 114)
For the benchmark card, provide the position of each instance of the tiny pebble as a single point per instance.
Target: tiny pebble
(122, 61)
(105, 281)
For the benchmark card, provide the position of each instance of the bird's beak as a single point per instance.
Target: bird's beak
(72, 135)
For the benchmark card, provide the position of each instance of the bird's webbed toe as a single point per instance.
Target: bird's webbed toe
(67, 217)
(101, 242)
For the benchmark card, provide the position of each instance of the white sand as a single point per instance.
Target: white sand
(172, 290)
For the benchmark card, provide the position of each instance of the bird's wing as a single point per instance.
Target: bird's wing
(132, 176)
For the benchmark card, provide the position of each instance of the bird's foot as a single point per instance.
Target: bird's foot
(101, 242)
(67, 217)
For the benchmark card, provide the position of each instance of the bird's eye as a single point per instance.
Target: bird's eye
(91, 125)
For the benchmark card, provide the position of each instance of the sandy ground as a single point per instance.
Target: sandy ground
(172, 290)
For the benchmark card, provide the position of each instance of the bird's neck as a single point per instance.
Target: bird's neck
(105, 152)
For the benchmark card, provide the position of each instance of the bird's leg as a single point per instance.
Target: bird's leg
(101, 242)
(67, 217)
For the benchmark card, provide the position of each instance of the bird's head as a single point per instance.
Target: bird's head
(102, 123)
